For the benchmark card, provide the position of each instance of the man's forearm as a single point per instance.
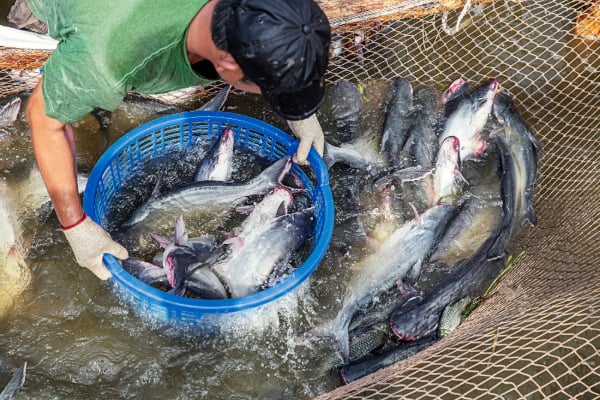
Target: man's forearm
(54, 148)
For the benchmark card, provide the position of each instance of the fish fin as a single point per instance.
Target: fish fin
(181, 237)
(247, 209)
(178, 290)
(162, 241)
(15, 383)
(530, 216)
(236, 242)
(157, 187)
(415, 272)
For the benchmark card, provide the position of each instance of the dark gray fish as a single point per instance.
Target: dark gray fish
(15, 384)
(402, 251)
(417, 321)
(185, 261)
(204, 284)
(183, 256)
(399, 117)
(423, 140)
(523, 150)
(217, 102)
(217, 164)
(259, 253)
(9, 110)
(393, 355)
(209, 195)
(465, 116)
(346, 106)
(146, 272)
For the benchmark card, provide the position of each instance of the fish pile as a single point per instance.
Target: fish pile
(439, 196)
(257, 253)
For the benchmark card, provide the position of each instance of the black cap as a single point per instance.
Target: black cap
(283, 47)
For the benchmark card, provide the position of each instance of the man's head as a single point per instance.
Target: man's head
(280, 45)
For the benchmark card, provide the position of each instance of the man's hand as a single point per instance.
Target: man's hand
(89, 243)
(310, 133)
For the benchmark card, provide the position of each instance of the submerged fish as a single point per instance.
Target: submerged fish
(360, 153)
(393, 355)
(422, 146)
(522, 149)
(404, 250)
(9, 110)
(346, 106)
(399, 117)
(465, 115)
(15, 384)
(210, 195)
(217, 163)
(416, 321)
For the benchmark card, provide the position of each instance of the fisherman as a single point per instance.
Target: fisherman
(275, 47)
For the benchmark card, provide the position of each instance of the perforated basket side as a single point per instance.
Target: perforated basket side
(169, 135)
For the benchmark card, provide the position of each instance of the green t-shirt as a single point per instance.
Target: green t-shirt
(111, 47)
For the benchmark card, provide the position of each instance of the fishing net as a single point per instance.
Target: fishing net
(538, 334)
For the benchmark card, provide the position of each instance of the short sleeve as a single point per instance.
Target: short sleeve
(73, 85)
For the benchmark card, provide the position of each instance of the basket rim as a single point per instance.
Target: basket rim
(183, 304)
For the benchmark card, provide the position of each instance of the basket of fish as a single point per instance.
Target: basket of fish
(215, 215)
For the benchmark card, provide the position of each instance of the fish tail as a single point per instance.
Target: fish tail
(530, 215)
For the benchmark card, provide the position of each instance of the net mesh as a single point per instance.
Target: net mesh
(538, 334)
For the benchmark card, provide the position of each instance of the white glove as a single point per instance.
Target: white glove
(310, 133)
(89, 242)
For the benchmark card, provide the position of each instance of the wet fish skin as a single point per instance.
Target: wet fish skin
(203, 283)
(253, 260)
(15, 384)
(274, 204)
(364, 367)
(402, 251)
(210, 194)
(146, 272)
(523, 149)
(465, 116)
(217, 102)
(217, 164)
(447, 175)
(9, 110)
(366, 340)
(459, 242)
(361, 153)
(452, 316)
(399, 117)
(416, 321)
(423, 142)
(346, 106)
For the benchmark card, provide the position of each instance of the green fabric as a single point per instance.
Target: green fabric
(111, 47)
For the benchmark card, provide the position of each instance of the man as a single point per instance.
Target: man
(275, 47)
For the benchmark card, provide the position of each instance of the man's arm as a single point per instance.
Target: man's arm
(54, 149)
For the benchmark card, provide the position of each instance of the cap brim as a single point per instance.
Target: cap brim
(298, 105)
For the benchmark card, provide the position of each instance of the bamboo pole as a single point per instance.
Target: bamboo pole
(342, 12)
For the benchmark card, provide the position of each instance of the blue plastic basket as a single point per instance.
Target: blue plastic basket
(176, 132)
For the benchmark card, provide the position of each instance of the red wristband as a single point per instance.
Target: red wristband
(64, 228)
